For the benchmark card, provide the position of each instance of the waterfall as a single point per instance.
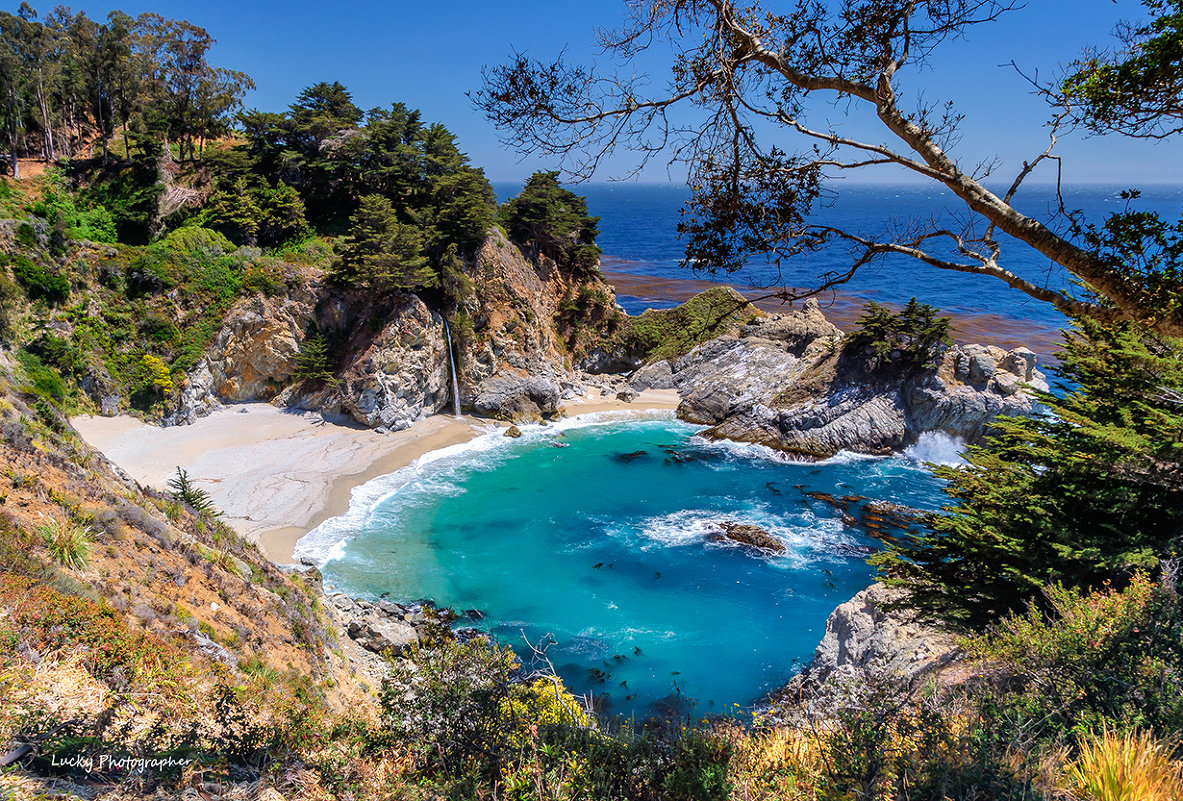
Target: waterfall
(452, 362)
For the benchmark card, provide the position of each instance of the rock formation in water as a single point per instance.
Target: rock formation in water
(748, 535)
(785, 381)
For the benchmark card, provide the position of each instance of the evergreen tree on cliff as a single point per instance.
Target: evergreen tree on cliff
(1089, 494)
(554, 221)
(380, 253)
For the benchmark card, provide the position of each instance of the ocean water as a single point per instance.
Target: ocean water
(595, 535)
(638, 234)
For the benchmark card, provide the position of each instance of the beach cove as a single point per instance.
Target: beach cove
(278, 473)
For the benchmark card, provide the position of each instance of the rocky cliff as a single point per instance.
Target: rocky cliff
(867, 643)
(785, 381)
(388, 359)
(520, 324)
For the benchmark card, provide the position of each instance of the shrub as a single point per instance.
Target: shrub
(61, 207)
(1129, 766)
(9, 294)
(1092, 659)
(197, 499)
(39, 282)
(68, 543)
(911, 337)
(43, 380)
(197, 240)
(157, 374)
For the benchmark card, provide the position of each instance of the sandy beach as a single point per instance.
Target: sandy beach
(276, 473)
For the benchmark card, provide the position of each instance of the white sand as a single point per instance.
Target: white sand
(276, 474)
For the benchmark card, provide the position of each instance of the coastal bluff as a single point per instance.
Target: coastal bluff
(786, 380)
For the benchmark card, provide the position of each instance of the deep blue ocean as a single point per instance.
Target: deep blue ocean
(595, 534)
(638, 234)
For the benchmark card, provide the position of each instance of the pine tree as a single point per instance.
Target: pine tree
(197, 499)
(381, 253)
(554, 221)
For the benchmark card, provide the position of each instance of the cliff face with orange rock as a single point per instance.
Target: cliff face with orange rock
(512, 344)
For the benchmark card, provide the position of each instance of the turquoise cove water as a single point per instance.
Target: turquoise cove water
(596, 533)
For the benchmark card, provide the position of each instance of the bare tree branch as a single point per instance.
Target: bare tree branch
(744, 70)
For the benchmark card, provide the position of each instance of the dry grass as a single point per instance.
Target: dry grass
(1125, 766)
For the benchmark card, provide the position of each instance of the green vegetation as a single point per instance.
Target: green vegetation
(39, 282)
(667, 333)
(68, 542)
(1135, 90)
(181, 487)
(910, 338)
(1084, 497)
(380, 253)
(553, 221)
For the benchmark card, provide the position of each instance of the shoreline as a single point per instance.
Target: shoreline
(276, 474)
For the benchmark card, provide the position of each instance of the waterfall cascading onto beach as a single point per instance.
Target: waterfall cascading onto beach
(452, 362)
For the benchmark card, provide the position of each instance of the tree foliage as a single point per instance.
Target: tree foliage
(751, 76)
(1087, 494)
(66, 78)
(911, 337)
(1136, 90)
(380, 253)
(554, 221)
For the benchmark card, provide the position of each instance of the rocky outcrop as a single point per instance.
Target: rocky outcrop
(514, 365)
(252, 358)
(254, 354)
(659, 375)
(401, 375)
(517, 398)
(380, 627)
(865, 642)
(786, 383)
(748, 535)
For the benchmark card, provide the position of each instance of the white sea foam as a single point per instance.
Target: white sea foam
(806, 537)
(751, 450)
(937, 447)
(327, 542)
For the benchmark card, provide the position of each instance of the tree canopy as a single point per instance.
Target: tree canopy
(758, 166)
(1137, 89)
(67, 77)
(554, 221)
(1086, 495)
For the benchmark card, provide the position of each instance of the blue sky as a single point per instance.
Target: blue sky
(428, 54)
